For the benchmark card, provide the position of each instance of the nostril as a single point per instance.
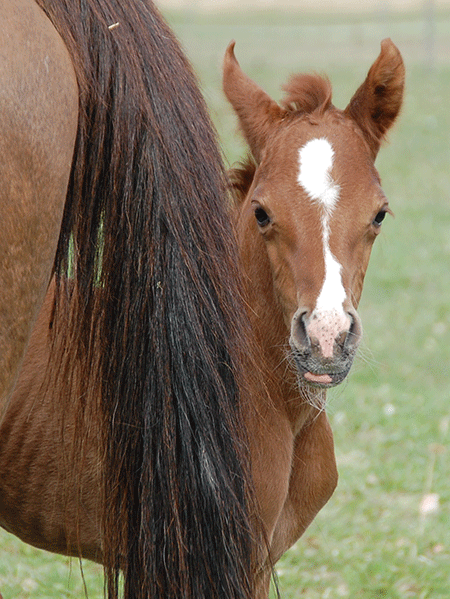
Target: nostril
(299, 336)
(354, 334)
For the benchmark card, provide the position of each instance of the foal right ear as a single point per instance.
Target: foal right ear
(376, 104)
(256, 111)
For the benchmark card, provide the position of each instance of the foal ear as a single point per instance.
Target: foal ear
(256, 111)
(377, 102)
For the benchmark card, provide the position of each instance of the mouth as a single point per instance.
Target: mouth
(323, 380)
(315, 371)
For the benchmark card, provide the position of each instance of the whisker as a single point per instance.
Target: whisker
(365, 356)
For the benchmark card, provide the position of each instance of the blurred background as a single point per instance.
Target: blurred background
(302, 5)
(386, 531)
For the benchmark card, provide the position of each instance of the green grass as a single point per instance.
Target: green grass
(391, 418)
(27, 572)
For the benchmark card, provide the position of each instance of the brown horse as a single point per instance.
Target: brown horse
(109, 161)
(308, 207)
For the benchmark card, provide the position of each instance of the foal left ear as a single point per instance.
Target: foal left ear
(377, 102)
(256, 111)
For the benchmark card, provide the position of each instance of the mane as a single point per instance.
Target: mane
(151, 333)
(240, 178)
(307, 93)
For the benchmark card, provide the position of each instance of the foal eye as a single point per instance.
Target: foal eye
(262, 218)
(379, 218)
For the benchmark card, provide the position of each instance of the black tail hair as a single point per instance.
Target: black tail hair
(154, 321)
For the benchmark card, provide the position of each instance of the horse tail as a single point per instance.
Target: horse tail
(151, 322)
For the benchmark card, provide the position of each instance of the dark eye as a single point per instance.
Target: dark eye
(261, 216)
(379, 218)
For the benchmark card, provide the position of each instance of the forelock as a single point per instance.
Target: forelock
(306, 94)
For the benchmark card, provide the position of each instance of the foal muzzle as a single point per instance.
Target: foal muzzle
(324, 347)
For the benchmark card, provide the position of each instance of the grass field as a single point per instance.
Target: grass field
(386, 531)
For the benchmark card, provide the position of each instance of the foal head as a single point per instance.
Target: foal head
(312, 203)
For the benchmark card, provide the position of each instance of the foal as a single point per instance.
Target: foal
(308, 207)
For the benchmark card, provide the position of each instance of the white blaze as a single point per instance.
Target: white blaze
(328, 318)
(316, 162)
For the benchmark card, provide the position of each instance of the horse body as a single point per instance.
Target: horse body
(41, 499)
(39, 107)
(118, 180)
(307, 209)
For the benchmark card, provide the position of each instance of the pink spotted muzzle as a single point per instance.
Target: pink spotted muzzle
(324, 345)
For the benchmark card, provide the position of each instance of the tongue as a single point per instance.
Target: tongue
(323, 379)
